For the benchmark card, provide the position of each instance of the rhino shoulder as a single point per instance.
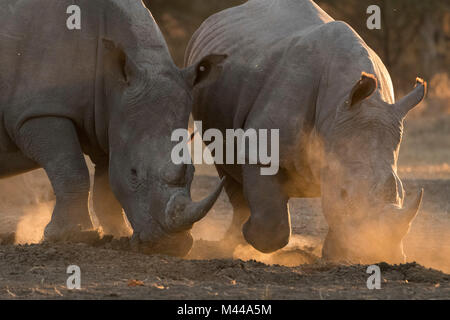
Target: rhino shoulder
(340, 41)
(337, 31)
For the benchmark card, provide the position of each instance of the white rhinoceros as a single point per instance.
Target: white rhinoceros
(110, 90)
(292, 67)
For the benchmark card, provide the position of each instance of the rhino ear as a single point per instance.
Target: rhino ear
(408, 102)
(206, 71)
(363, 89)
(118, 64)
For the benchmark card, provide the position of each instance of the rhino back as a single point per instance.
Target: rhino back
(243, 30)
(48, 70)
(271, 65)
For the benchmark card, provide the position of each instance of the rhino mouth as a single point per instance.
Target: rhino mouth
(169, 233)
(380, 238)
(176, 244)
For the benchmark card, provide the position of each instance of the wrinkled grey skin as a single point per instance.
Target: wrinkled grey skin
(111, 91)
(292, 67)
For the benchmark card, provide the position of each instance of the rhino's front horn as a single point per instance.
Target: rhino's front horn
(409, 211)
(408, 102)
(182, 213)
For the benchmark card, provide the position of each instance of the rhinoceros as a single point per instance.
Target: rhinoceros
(109, 89)
(294, 68)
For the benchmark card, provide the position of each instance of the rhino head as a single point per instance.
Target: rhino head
(146, 103)
(363, 198)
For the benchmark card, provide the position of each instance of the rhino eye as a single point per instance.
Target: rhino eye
(134, 172)
(203, 71)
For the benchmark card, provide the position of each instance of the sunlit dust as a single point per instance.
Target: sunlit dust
(31, 226)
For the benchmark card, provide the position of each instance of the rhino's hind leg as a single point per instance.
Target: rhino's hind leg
(53, 143)
(107, 208)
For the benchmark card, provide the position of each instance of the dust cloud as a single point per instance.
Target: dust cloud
(209, 245)
(428, 242)
(27, 203)
(299, 251)
(30, 227)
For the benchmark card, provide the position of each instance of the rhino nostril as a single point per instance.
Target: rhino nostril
(133, 172)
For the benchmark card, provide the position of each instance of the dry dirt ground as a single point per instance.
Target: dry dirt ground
(111, 271)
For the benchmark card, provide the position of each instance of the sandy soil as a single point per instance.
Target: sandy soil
(109, 270)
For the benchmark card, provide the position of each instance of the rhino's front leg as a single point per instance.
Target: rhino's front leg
(53, 143)
(107, 208)
(269, 226)
(241, 212)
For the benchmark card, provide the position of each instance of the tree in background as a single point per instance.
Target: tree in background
(179, 19)
(414, 36)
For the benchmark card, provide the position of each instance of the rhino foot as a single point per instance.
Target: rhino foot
(117, 231)
(72, 234)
